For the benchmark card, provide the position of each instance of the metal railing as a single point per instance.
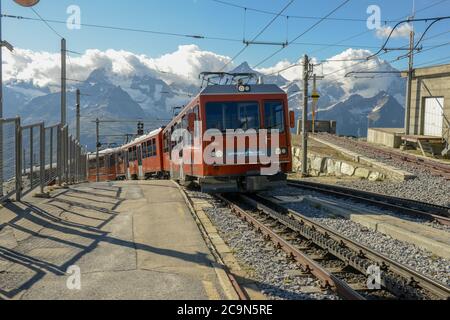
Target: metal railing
(35, 156)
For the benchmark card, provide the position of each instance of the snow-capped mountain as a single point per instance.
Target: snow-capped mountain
(355, 114)
(120, 85)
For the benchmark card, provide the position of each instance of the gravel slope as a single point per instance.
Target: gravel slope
(425, 187)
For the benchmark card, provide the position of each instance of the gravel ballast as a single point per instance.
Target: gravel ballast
(425, 188)
(276, 276)
(402, 252)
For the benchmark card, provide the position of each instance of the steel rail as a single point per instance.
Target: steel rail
(410, 207)
(412, 277)
(327, 279)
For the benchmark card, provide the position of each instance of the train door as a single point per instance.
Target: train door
(195, 134)
(139, 162)
(184, 126)
(127, 162)
(174, 174)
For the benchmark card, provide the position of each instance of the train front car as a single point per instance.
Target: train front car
(240, 139)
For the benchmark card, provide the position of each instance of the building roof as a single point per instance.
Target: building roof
(431, 71)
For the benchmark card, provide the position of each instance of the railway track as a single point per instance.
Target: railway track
(405, 206)
(434, 167)
(338, 262)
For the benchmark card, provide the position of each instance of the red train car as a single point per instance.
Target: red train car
(109, 165)
(144, 156)
(227, 108)
(229, 138)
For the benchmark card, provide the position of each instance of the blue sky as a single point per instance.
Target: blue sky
(209, 18)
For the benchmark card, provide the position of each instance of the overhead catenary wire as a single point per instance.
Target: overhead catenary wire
(293, 16)
(416, 45)
(257, 36)
(303, 33)
(396, 59)
(356, 36)
(46, 23)
(368, 31)
(198, 37)
(117, 28)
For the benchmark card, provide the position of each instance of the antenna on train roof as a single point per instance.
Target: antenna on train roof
(216, 78)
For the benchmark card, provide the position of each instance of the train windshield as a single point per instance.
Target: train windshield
(274, 115)
(232, 115)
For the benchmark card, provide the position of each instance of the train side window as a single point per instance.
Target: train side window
(139, 154)
(196, 111)
(146, 149)
(154, 153)
(166, 145)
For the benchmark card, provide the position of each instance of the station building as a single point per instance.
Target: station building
(429, 114)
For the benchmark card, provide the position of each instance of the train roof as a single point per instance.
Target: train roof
(106, 151)
(233, 89)
(143, 138)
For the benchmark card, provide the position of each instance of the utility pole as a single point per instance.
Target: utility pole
(78, 115)
(315, 98)
(409, 83)
(314, 105)
(1, 104)
(97, 130)
(305, 116)
(63, 83)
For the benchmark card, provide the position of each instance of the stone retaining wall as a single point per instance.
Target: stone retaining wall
(325, 166)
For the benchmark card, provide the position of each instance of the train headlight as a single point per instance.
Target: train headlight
(281, 151)
(244, 88)
(218, 154)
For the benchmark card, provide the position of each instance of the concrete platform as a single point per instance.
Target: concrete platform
(386, 136)
(130, 240)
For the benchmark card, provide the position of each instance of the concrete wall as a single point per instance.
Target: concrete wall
(429, 82)
(387, 137)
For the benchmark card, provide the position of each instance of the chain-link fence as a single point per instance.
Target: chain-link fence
(34, 156)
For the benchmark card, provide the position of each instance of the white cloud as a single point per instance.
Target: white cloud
(290, 74)
(402, 31)
(180, 67)
(43, 68)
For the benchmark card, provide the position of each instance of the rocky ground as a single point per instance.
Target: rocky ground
(403, 252)
(276, 275)
(425, 187)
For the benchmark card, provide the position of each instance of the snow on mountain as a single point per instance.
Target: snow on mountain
(354, 115)
(123, 85)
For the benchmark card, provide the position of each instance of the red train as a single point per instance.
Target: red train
(223, 140)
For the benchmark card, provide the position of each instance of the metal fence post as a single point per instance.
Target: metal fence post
(24, 156)
(42, 157)
(71, 159)
(31, 157)
(1, 156)
(18, 160)
(66, 154)
(51, 156)
(78, 159)
(58, 155)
